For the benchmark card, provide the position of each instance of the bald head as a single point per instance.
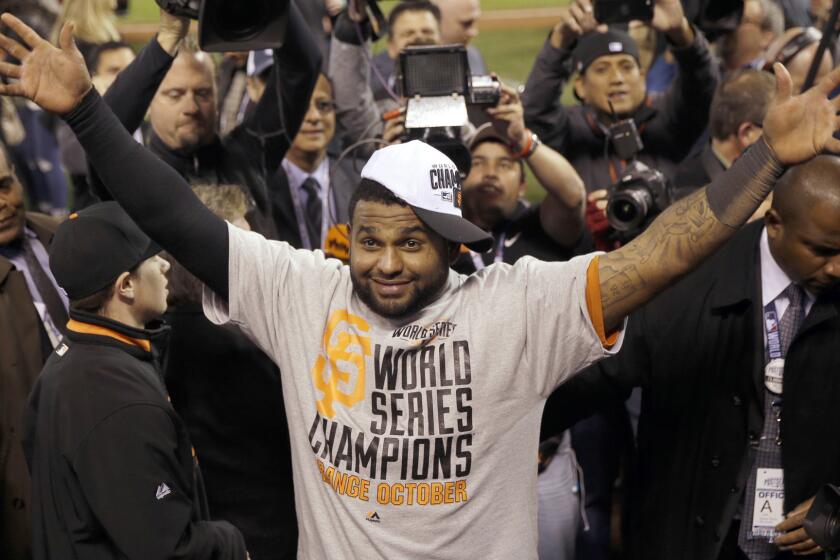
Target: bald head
(806, 186)
(803, 225)
(459, 20)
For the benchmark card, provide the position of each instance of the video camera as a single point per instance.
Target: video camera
(438, 86)
(641, 193)
(822, 522)
(234, 25)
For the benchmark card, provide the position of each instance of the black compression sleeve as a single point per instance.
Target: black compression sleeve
(132, 92)
(153, 194)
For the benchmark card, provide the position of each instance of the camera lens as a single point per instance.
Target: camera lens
(627, 209)
(240, 21)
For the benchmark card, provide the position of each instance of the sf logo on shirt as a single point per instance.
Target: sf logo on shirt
(342, 344)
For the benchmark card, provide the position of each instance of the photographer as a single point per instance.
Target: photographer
(611, 86)
(176, 86)
(494, 193)
(409, 24)
(358, 112)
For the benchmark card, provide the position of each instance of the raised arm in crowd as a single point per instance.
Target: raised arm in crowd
(182, 102)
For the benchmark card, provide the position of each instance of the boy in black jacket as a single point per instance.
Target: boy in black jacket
(113, 471)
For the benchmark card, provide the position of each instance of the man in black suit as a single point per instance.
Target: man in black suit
(311, 198)
(738, 363)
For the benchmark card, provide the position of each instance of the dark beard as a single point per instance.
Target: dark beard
(421, 298)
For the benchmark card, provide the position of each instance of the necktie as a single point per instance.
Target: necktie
(314, 211)
(769, 451)
(46, 289)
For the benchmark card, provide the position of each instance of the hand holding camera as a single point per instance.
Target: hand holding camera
(508, 117)
(172, 30)
(583, 16)
(578, 20)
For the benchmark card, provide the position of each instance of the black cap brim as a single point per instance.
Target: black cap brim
(456, 228)
(152, 250)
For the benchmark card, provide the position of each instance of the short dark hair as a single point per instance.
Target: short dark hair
(520, 161)
(95, 302)
(412, 6)
(96, 53)
(742, 97)
(372, 191)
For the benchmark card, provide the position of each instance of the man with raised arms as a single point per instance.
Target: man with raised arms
(412, 442)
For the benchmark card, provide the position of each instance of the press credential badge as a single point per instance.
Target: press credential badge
(769, 502)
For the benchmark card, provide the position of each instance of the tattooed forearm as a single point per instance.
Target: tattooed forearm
(673, 244)
(682, 237)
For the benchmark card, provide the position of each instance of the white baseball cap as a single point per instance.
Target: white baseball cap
(430, 183)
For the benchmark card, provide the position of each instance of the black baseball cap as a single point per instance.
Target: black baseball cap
(488, 133)
(94, 246)
(596, 44)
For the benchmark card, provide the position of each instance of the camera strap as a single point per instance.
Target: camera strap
(498, 253)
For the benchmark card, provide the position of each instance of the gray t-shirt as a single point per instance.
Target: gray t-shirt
(414, 438)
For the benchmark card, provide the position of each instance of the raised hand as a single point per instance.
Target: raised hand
(171, 31)
(508, 117)
(54, 79)
(667, 15)
(799, 127)
(577, 20)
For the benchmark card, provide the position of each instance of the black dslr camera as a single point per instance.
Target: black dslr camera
(822, 522)
(641, 193)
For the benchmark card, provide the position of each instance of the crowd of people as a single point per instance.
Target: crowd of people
(249, 308)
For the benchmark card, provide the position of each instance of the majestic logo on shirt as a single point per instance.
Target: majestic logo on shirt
(373, 517)
(340, 372)
(162, 491)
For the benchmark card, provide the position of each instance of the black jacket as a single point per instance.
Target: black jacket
(698, 352)
(344, 178)
(669, 125)
(229, 394)
(524, 236)
(113, 471)
(697, 170)
(252, 151)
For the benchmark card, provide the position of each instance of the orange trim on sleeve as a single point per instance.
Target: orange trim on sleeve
(594, 306)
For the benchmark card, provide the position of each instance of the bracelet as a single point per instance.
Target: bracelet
(529, 148)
